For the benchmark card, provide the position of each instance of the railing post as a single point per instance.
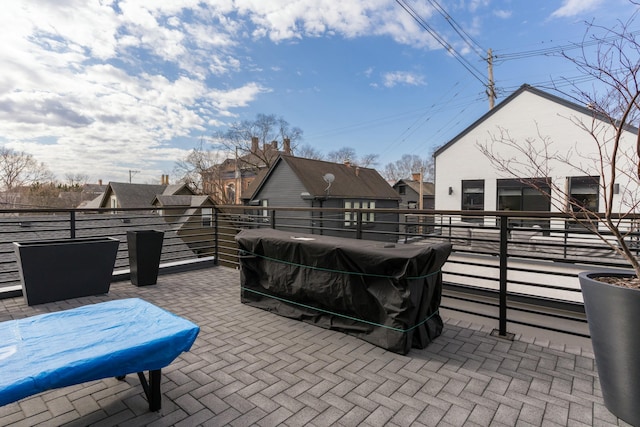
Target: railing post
(359, 225)
(72, 224)
(273, 219)
(502, 316)
(216, 253)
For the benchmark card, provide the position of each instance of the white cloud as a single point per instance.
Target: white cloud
(502, 14)
(403, 78)
(77, 81)
(571, 8)
(286, 20)
(114, 82)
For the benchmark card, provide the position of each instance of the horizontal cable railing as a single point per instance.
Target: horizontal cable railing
(511, 267)
(186, 240)
(508, 267)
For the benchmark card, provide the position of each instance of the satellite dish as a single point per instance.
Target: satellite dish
(328, 178)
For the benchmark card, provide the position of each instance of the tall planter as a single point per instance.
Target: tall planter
(613, 313)
(145, 249)
(55, 270)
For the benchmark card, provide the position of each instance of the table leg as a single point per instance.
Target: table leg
(152, 388)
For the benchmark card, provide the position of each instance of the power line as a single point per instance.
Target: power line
(460, 58)
(556, 49)
(475, 46)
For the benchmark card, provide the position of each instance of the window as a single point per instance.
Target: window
(473, 198)
(207, 217)
(583, 195)
(351, 217)
(524, 195)
(402, 190)
(231, 193)
(583, 191)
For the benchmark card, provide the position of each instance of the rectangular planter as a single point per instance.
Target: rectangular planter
(54, 270)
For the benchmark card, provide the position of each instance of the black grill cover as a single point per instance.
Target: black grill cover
(385, 294)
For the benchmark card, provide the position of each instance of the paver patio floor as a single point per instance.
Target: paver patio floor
(252, 367)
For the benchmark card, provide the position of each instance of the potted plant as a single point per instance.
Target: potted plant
(611, 298)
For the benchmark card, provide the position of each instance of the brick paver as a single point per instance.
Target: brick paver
(252, 367)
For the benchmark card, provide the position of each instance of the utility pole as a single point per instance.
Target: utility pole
(421, 200)
(238, 176)
(491, 88)
(131, 174)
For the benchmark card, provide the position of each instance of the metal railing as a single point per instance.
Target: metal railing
(186, 240)
(507, 267)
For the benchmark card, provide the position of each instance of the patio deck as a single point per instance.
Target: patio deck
(252, 367)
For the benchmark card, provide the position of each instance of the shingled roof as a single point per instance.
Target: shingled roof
(428, 188)
(349, 181)
(140, 195)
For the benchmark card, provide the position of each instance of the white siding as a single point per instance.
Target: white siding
(527, 116)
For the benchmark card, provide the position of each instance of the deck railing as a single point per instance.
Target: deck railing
(507, 267)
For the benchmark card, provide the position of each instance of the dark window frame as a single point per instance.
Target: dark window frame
(468, 202)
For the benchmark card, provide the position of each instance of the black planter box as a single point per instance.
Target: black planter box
(145, 249)
(54, 270)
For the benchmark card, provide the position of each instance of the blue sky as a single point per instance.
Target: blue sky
(103, 87)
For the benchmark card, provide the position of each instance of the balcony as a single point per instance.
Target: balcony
(252, 367)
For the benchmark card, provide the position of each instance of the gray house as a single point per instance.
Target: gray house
(409, 191)
(299, 182)
(126, 195)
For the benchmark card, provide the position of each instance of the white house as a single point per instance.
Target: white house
(549, 126)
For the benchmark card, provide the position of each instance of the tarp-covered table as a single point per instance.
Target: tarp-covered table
(385, 294)
(109, 339)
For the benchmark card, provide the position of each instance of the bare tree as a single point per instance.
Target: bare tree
(407, 165)
(348, 154)
(267, 128)
(308, 152)
(614, 155)
(76, 179)
(200, 161)
(18, 169)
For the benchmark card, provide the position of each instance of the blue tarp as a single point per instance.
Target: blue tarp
(88, 343)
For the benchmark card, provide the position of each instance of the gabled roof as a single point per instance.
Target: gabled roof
(141, 195)
(349, 181)
(132, 195)
(172, 200)
(93, 188)
(525, 88)
(181, 200)
(93, 203)
(428, 188)
(178, 189)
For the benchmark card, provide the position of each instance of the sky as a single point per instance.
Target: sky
(118, 90)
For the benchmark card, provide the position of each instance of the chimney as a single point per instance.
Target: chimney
(254, 144)
(415, 176)
(274, 145)
(347, 163)
(99, 182)
(357, 171)
(286, 146)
